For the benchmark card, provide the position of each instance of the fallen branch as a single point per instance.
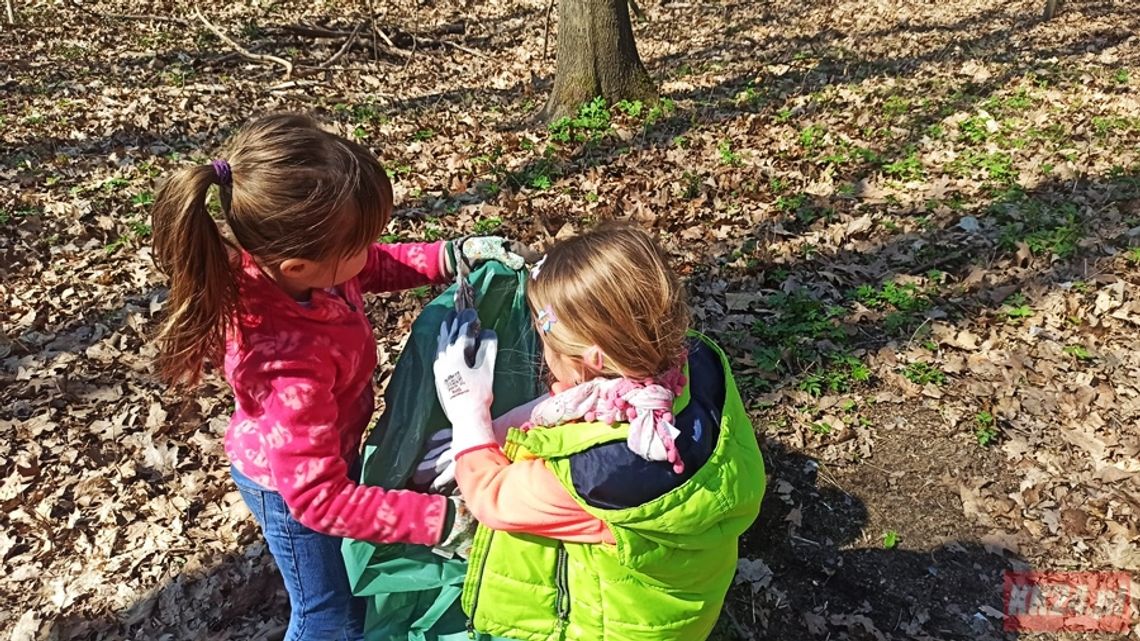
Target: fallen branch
(300, 67)
(11, 13)
(242, 51)
(314, 31)
(454, 28)
(343, 49)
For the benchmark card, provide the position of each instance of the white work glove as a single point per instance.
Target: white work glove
(464, 376)
(437, 468)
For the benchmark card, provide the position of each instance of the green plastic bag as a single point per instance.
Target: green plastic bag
(411, 593)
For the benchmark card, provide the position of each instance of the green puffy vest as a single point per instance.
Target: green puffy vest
(666, 577)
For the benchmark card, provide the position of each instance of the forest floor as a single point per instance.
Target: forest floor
(914, 226)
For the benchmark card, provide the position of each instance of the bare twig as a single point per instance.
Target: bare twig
(546, 31)
(916, 331)
(313, 31)
(245, 53)
(372, 28)
(383, 36)
(11, 12)
(412, 55)
(744, 633)
(293, 84)
(146, 17)
(300, 66)
(638, 13)
(942, 260)
(461, 48)
(344, 48)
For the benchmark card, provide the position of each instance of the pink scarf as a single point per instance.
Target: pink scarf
(647, 405)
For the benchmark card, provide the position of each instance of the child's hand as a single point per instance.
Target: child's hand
(464, 376)
(480, 249)
(437, 468)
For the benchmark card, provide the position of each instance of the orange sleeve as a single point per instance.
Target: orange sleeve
(523, 496)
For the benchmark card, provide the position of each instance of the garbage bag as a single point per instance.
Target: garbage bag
(411, 593)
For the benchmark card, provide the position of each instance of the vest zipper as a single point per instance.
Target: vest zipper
(478, 586)
(561, 581)
(509, 449)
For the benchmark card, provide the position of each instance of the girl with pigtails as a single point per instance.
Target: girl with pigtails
(277, 303)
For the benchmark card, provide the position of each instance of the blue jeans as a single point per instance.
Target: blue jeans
(322, 607)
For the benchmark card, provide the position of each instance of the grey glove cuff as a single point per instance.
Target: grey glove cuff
(460, 534)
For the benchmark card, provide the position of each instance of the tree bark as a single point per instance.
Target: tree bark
(597, 56)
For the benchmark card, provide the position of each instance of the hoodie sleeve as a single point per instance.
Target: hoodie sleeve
(303, 452)
(402, 266)
(523, 496)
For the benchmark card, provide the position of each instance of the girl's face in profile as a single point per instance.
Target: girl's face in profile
(566, 371)
(299, 276)
(337, 271)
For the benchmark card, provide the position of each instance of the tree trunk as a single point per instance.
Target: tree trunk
(596, 57)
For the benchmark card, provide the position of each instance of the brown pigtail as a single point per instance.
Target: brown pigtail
(190, 249)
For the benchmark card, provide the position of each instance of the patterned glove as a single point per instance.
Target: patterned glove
(475, 250)
(458, 539)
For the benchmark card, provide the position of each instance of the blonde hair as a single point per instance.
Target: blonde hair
(612, 287)
(290, 190)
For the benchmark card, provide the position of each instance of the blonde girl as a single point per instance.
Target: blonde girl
(610, 509)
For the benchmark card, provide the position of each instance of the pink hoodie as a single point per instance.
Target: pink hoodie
(302, 381)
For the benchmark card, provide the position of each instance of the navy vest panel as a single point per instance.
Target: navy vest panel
(611, 476)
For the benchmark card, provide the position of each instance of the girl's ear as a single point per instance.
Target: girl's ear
(594, 359)
(294, 267)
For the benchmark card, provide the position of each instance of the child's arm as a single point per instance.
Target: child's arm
(514, 418)
(437, 468)
(404, 266)
(524, 496)
(304, 458)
